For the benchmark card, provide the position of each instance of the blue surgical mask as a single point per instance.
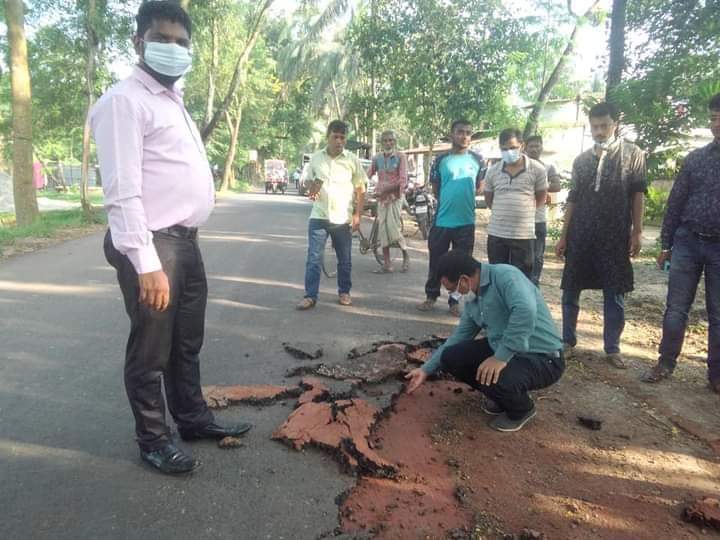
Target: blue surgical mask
(511, 156)
(169, 59)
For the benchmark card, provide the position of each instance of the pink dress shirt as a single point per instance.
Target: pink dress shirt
(155, 172)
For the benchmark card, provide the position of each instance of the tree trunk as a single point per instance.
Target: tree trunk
(617, 46)
(238, 73)
(534, 117)
(90, 73)
(234, 125)
(26, 208)
(61, 176)
(214, 62)
(336, 100)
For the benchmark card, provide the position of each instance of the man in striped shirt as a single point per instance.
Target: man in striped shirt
(514, 188)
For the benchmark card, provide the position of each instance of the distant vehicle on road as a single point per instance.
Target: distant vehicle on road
(276, 176)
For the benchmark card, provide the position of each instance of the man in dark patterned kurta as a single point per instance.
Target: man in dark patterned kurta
(603, 227)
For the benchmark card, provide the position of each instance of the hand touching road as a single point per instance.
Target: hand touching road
(416, 377)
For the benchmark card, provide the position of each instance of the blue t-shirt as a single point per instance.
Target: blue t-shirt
(457, 177)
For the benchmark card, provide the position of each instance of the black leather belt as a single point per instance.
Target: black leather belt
(178, 231)
(707, 237)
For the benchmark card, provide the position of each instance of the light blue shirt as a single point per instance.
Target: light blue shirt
(457, 177)
(512, 311)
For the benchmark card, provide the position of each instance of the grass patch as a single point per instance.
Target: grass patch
(73, 195)
(241, 187)
(46, 227)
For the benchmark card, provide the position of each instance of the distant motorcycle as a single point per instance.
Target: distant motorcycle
(421, 205)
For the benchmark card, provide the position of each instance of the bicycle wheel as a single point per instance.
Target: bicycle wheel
(328, 260)
(397, 255)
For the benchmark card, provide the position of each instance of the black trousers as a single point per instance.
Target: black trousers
(524, 372)
(164, 347)
(439, 241)
(519, 253)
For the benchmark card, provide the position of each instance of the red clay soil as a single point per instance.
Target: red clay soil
(706, 511)
(421, 501)
(315, 390)
(419, 356)
(341, 427)
(219, 397)
(630, 480)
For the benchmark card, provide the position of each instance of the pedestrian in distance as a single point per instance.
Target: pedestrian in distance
(392, 172)
(534, 149)
(691, 246)
(515, 187)
(158, 190)
(602, 229)
(456, 178)
(522, 350)
(337, 177)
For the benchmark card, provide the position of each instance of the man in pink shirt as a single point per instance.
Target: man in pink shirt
(158, 190)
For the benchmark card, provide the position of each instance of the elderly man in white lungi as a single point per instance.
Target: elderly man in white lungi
(391, 169)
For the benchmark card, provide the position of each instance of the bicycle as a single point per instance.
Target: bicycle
(372, 243)
(328, 260)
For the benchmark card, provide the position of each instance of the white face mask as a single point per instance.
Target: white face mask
(469, 296)
(168, 59)
(511, 156)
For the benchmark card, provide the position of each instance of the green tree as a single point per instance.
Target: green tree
(441, 60)
(26, 209)
(672, 71)
(557, 72)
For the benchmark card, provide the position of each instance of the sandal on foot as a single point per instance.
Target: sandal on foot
(616, 360)
(384, 270)
(306, 303)
(427, 305)
(656, 374)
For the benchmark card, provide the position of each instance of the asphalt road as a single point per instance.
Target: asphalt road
(69, 466)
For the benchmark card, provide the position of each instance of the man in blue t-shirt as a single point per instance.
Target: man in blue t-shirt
(456, 178)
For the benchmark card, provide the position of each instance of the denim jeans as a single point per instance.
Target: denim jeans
(526, 371)
(692, 256)
(613, 315)
(341, 236)
(540, 239)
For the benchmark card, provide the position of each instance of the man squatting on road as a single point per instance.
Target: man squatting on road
(522, 350)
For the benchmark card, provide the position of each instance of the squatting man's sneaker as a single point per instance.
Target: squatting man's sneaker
(504, 423)
(491, 407)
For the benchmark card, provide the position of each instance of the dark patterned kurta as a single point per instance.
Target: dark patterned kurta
(597, 254)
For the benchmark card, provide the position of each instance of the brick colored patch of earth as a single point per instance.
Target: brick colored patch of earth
(420, 502)
(341, 427)
(219, 397)
(630, 480)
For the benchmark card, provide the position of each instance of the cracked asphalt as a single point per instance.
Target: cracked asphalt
(69, 467)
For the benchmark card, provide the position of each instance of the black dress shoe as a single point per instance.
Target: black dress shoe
(213, 431)
(170, 460)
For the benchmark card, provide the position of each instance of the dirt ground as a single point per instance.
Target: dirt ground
(658, 447)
